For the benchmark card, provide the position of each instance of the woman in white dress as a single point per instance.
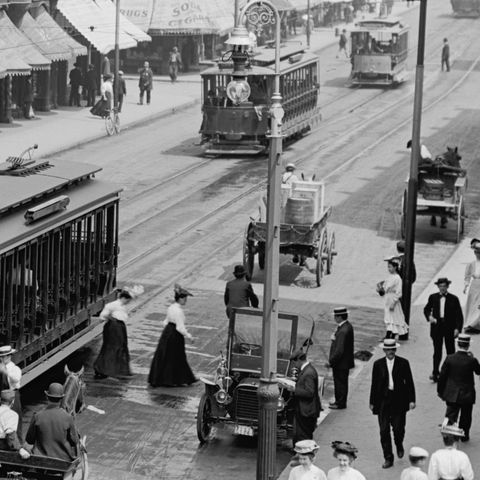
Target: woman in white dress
(472, 286)
(306, 450)
(345, 453)
(392, 292)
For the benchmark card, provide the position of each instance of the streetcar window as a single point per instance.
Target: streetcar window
(258, 86)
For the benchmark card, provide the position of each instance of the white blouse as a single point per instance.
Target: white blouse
(349, 474)
(14, 375)
(175, 315)
(114, 309)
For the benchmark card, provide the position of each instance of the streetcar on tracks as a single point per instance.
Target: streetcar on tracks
(58, 257)
(466, 8)
(243, 128)
(379, 52)
(441, 192)
(231, 394)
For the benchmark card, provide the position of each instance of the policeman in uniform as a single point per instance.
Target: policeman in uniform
(8, 424)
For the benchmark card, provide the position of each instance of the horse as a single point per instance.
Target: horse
(73, 401)
(450, 158)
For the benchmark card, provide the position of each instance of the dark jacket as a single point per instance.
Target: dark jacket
(76, 77)
(453, 314)
(239, 293)
(401, 270)
(456, 383)
(403, 387)
(122, 86)
(307, 400)
(341, 349)
(91, 80)
(445, 51)
(52, 433)
(146, 79)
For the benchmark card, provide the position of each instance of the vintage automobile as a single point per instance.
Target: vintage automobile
(230, 396)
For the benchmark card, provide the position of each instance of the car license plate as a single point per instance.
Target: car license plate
(243, 430)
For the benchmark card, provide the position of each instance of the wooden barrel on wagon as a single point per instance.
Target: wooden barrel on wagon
(299, 211)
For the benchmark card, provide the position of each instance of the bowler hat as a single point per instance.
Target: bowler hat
(443, 280)
(55, 390)
(6, 350)
(7, 396)
(340, 311)
(401, 246)
(298, 355)
(306, 446)
(239, 270)
(389, 344)
(418, 452)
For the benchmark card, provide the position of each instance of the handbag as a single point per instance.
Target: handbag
(381, 288)
(100, 108)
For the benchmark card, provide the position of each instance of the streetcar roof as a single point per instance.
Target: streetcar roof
(391, 24)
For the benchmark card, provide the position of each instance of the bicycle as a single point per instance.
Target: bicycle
(112, 121)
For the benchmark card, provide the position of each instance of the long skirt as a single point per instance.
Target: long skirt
(114, 357)
(472, 312)
(169, 365)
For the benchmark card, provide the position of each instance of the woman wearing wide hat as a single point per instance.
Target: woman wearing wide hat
(169, 365)
(345, 453)
(305, 470)
(472, 286)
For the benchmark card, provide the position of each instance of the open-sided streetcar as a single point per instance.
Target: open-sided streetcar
(58, 257)
(466, 8)
(231, 395)
(242, 129)
(379, 52)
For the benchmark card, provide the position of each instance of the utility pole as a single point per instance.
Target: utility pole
(308, 24)
(415, 155)
(117, 54)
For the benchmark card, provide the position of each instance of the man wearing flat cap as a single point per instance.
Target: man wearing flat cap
(444, 313)
(456, 385)
(392, 395)
(307, 404)
(52, 431)
(239, 292)
(341, 357)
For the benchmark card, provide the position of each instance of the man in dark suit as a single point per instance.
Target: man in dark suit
(341, 357)
(402, 270)
(392, 395)
(52, 431)
(239, 292)
(444, 313)
(456, 385)
(306, 399)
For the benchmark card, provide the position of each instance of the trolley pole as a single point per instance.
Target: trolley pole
(117, 54)
(415, 155)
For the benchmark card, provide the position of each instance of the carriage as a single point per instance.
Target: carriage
(379, 52)
(243, 128)
(231, 394)
(298, 236)
(466, 8)
(441, 191)
(58, 257)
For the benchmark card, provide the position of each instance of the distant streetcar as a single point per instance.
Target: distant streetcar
(379, 52)
(58, 258)
(243, 129)
(466, 8)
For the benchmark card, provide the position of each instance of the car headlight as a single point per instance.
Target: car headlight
(280, 404)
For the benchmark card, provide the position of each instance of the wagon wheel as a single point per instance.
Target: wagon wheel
(248, 252)
(330, 252)
(460, 218)
(403, 218)
(319, 270)
(82, 471)
(261, 255)
(204, 427)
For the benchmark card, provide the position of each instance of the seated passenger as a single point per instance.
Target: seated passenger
(52, 431)
(8, 425)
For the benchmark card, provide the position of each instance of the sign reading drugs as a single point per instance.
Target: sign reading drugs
(139, 12)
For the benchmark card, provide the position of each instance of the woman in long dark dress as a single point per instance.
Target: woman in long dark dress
(169, 365)
(114, 357)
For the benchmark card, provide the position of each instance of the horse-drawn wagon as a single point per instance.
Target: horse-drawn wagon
(441, 191)
(303, 230)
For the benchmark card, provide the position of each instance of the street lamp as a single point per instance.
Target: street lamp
(260, 14)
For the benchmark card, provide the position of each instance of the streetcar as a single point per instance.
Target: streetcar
(466, 8)
(379, 52)
(58, 257)
(243, 129)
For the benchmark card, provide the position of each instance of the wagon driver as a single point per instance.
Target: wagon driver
(289, 176)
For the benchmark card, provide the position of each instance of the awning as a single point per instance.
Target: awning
(303, 4)
(55, 34)
(178, 17)
(3, 71)
(125, 24)
(95, 24)
(16, 43)
(11, 62)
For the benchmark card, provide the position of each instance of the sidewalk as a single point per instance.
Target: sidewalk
(356, 424)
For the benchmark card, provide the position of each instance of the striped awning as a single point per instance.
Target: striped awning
(95, 23)
(55, 34)
(10, 63)
(178, 17)
(16, 44)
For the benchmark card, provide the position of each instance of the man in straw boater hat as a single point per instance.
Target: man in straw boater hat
(52, 431)
(456, 385)
(289, 176)
(449, 463)
(392, 395)
(341, 357)
(444, 313)
(239, 291)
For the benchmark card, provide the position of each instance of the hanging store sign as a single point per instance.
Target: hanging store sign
(139, 12)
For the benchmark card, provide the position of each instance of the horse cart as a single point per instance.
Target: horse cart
(231, 394)
(441, 191)
(301, 235)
